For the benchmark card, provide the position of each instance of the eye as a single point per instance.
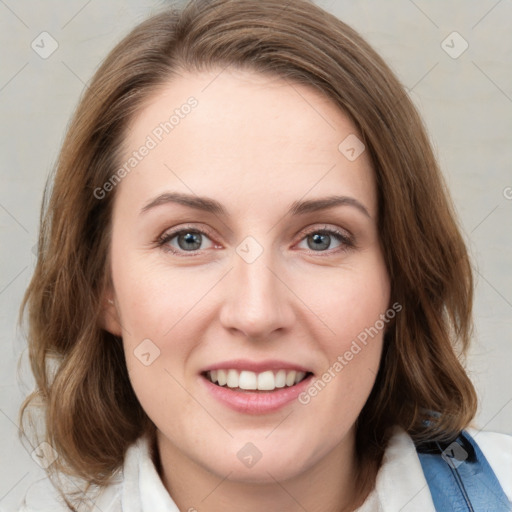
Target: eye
(185, 240)
(190, 240)
(322, 240)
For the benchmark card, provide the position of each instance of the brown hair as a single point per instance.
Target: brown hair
(91, 412)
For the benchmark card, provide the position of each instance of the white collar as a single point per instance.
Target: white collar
(400, 485)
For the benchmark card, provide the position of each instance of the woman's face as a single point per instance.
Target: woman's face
(245, 247)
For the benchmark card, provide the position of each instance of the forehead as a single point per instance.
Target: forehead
(238, 136)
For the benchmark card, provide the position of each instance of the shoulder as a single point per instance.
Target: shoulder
(401, 483)
(401, 463)
(43, 496)
(497, 449)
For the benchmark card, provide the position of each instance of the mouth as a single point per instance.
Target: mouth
(249, 382)
(255, 388)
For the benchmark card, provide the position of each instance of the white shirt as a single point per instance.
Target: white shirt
(400, 485)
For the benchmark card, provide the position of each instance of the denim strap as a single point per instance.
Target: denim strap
(460, 478)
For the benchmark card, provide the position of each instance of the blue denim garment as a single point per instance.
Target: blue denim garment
(460, 479)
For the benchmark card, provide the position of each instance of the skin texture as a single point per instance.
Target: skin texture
(256, 145)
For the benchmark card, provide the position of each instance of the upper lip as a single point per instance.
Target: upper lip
(256, 366)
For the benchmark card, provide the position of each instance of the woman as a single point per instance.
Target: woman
(251, 286)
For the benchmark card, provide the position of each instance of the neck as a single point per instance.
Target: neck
(329, 485)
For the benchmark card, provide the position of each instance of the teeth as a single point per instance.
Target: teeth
(247, 380)
(222, 378)
(299, 377)
(280, 379)
(232, 379)
(290, 378)
(264, 381)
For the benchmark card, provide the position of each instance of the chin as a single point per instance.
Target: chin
(260, 463)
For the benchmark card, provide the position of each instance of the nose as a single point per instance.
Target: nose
(257, 303)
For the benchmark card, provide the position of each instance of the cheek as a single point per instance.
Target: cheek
(155, 299)
(349, 301)
(162, 319)
(354, 306)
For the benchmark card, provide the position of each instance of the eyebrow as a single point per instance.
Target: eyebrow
(209, 205)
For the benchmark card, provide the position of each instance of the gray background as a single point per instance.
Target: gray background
(466, 103)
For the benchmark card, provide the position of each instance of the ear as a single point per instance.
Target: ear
(109, 317)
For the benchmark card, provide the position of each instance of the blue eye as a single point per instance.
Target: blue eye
(322, 240)
(191, 240)
(319, 241)
(186, 240)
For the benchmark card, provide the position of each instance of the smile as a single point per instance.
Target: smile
(251, 387)
(246, 380)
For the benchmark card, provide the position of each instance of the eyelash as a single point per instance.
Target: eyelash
(346, 241)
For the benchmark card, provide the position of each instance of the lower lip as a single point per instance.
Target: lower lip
(258, 402)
